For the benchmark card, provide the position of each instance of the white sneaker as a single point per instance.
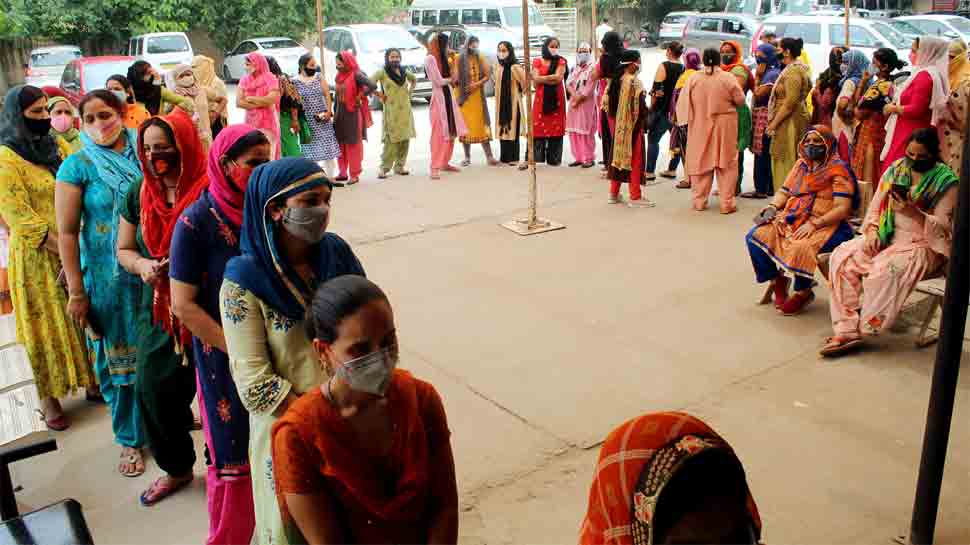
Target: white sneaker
(615, 199)
(642, 202)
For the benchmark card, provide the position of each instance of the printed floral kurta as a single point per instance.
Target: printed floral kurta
(54, 344)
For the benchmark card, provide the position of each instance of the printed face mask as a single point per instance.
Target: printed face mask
(161, 163)
(106, 134)
(307, 224)
(815, 152)
(62, 122)
(583, 58)
(370, 373)
(239, 175)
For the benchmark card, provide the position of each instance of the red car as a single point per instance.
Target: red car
(89, 73)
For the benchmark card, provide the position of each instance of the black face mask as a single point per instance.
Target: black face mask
(38, 127)
(921, 165)
(311, 71)
(727, 58)
(394, 64)
(815, 152)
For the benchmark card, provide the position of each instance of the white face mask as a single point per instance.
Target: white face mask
(371, 373)
(554, 51)
(503, 55)
(187, 80)
(583, 58)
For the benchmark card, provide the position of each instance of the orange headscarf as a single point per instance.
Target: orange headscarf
(738, 61)
(623, 457)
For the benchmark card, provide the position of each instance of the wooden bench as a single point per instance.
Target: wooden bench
(934, 288)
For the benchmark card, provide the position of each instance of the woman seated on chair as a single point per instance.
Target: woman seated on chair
(907, 237)
(806, 217)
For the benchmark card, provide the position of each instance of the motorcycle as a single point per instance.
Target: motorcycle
(648, 36)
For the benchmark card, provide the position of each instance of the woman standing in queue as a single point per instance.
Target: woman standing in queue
(29, 158)
(473, 73)
(766, 74)
(150, 92)
(182, 81)
(286, 253)
(292, 118)
(787, 114)
(135, 113)
(206, 238)
(549, 104)
(826, 90)
(732, 61)
(678, 130)
(447, 122)
(854, 64)
(582, 115)
(870, 98)
(510, 83)
(259, 95)
(951, 131)
(173, 168)
(920, 102)
(606, 69)
(627, 105)
(397, 86)
(351, 117)
(63, 118)
(332, 448)
(216, 92)
(106, 300)
(315, 94)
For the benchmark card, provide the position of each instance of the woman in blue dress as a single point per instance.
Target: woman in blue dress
(90, 192)
(315, 93)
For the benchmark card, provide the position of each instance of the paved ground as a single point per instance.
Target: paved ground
(541, 345)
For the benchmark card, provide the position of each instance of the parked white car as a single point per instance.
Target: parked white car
(821, 33)
(163, 50)
(368, 43)
(286, 51)
(672, 26)
(944, 26)
(46, 64)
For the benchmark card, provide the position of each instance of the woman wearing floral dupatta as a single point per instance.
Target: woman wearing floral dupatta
(908, 233)
(669, 478)
(173, 166)
(334, 450)
(286, 254)
(806, 217)
(626, 103)
(259, 95)
(206, 238)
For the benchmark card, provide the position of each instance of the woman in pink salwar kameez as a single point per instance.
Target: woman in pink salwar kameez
(581, 119)
(259, 95)
(907, 237)
(446, 120)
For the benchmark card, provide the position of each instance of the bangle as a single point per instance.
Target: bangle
(77, 296)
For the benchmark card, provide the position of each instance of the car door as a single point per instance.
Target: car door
(736, 30)
(707, 32)
(236, 63)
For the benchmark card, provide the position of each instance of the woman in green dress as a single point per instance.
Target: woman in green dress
(396, 87)
(292, 118)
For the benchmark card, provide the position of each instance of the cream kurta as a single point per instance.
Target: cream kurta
(518, 83)
(270, 357)
(708, 106)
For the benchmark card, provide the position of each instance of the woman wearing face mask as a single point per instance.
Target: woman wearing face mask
(808, 216)
(397, 86)
(827, 89)
(510, 84)
(606, 69)
(315, 93)
(150, 92)
(215, 89)
(182, 81)
(135, 113)
(907, 235)
(447, 122)
(205, 239)
(581, 119)
(682, 483)
(854, 64)
(678, 131)
(62, 122)
(259, 95)
(766, 75)
(627, 106)
(104, 300)
(292, 118)
(351, 117)
(286, 253)
(661, 102)
(549, 104)
(708, 104)
(473, 73)
(951, 130)
(332, 447)
(29, 157)
(732, 61)
(870, 98)
(787, 113)
(173, 167)
(921, 101)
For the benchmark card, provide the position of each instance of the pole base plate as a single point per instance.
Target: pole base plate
(541, 225)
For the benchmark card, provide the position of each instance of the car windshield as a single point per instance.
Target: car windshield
(895, 38)
(904, 27)
(488, 41)
(279, 44)
(676, 19)
(53, 58)
(96, 75)
(797, 7)
(384, 39)
(167, 44)
(962, 25)
(929, 26)
(513, 16)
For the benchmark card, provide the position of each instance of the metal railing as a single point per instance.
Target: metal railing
(563, 22)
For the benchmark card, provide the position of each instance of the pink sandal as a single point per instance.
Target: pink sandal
(158, 492)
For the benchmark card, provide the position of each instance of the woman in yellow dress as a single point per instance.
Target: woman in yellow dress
(473, 73)
(29, 157)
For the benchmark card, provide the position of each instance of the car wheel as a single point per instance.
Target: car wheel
(226, 75)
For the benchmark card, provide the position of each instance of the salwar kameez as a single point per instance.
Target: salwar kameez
(350, 125)
(447, 122)
(582, 117)
(548, 128)
(474, 109)
(511, 130)
(629, 152)
(397, 127)
(787, 100)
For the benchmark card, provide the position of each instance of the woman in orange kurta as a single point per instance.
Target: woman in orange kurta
(668, 478)
(366, 457)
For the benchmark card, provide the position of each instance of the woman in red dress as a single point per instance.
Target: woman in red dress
(549, 104)
(920, 101)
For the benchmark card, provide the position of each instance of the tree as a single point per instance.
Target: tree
(77, 21)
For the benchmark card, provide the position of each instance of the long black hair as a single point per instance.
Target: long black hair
(628, 57)
(123, 81)
(550, 93)
(304, 60)
(505, 86)
(612, 49)
(930, 140)
(889, 58)
(793, 45)
(145, 92)
(397, 76)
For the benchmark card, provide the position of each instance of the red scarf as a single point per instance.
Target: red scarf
(347, 81)
(739, 61)
(158, 218)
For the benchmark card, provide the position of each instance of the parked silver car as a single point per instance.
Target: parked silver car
(672, 26)
(711, 29)
(286, 51)
(46, 64)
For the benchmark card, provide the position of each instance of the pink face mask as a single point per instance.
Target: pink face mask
(62, 122)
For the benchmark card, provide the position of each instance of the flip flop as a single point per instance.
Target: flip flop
(133, 460)
(158, 492)
(831, 351)
(60, 423)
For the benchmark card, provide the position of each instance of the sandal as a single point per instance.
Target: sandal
(493, 162)
(382, 175)
(402, 172)
(683, 184)
(587, 165)
(93, 396)
(353, 181)
(797, 302)
(466, 163)
(523, 166)
(136, 460)
(669, 174)
(435, 175)
(751, 195)
(158, 491)
(451, 168)
(838, 345)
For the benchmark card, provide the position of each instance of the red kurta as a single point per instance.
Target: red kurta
(548, 125)
(915, 101)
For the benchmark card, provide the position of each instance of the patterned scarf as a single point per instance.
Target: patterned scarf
(924, 195)
(627, 113)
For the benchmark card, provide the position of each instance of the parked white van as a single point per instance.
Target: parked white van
(426, 14)
(164, 50)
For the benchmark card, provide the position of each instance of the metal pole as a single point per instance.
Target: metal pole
(592, 24)
(530, 151)
(848, 5)
(947, 367)
(320, 62)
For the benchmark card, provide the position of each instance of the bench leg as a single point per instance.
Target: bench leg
(923, 341)
(8, 502)
(769, 295)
